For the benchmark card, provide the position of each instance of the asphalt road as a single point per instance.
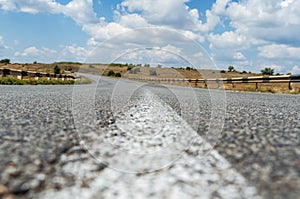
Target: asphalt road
(122, 139)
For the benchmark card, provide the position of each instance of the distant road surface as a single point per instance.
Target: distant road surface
(124, 139)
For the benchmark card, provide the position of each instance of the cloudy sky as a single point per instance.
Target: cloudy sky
(248, 34)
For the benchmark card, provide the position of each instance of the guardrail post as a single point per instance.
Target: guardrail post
(23, 73)
(290, 85)
(205, 83)
(48, 76)
(256, 85)
(233, 85)
(37, 75)
(5, 72)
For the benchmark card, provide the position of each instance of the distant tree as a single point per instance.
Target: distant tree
(56, 69)
(35, 62)
(159, 66)
(231, 69)
(147, 65)
(267, 71)
(5, 61)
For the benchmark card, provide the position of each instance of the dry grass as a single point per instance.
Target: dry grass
(45, 68)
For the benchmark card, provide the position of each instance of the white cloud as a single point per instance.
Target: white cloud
(46, 55)
(2, 45)
(231, 40)
(29, 51)
(167, 56)
(81, 11)
(172, 49)
(31, 6)
(226, 49)
(265, 20)
(279, 51)
(35, 54)
(225, 58)
(73, 52)
(7, 5)
(168, 46)
(296, 70)
(158, 12)
(239, 56)
(270, 27)
(103, 31)
(133, 21)
(170, 13)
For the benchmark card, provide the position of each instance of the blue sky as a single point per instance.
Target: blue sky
(248, 34)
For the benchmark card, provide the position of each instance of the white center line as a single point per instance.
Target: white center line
(133, 144)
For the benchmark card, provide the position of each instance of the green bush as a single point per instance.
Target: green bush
(111, 73)
(118, 75)
(130, 67)
(190, 68)
(11, 81)
(152, 72)
(135, 70)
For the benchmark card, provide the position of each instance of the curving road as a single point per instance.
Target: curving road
(123, 139)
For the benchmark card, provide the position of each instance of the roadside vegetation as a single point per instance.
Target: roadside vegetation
(26, 80)
(144, 71)
(31, 81)
(15, 81)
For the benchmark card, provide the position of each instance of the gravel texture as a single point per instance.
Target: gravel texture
(49, 134)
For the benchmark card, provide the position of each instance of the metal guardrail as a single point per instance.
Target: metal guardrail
(21, 73)
(239, 80)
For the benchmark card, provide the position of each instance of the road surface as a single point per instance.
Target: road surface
(123, 139)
